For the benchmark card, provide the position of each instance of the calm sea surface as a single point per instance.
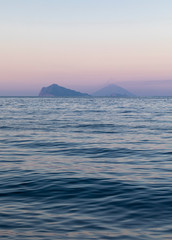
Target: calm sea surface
(86, 168)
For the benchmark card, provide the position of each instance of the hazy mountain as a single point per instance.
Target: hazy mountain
(55, 90)
(113, 90)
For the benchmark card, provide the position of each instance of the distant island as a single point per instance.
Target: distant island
(111, 90)
(55, 90)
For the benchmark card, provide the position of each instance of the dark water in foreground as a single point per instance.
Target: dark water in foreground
(86, 168)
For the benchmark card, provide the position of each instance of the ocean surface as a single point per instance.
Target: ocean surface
(86, 168)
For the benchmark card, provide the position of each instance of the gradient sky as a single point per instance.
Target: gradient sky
(84, 44)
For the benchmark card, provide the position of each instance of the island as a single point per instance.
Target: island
(113, 90)
(55, 90)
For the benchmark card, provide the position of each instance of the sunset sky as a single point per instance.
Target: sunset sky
(84, 44)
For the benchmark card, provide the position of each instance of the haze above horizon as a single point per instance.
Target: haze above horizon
(85, 45)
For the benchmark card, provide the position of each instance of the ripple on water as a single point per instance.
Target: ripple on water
(91, 168)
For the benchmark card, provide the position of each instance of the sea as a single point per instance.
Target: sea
(86, 168)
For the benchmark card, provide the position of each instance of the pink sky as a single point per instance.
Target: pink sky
(83, 55)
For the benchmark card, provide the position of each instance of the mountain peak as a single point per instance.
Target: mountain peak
(113, 90)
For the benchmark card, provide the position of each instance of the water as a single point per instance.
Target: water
(89, 168)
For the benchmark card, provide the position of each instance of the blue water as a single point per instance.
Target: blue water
(88, 168)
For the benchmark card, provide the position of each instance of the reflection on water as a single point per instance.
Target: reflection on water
(90, 168)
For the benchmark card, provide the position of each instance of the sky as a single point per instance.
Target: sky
(85, 45)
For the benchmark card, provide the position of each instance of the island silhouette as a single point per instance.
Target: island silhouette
(55, 90)
(112, 90)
